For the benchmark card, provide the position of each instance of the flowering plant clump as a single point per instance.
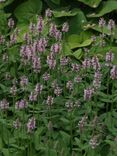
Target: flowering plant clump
(50, 103)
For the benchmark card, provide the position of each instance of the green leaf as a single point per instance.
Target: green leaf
(5, 152)
(3, 22)
(66, 49)
(63, 13)
(27, 10)
(82, 40)
(79, 21)
(78, 54)
(37, 135)
(51, 152)
(13, 53)
(91, 3)
(56, 1)
(107, 7)
(24, 28)
(65, 137)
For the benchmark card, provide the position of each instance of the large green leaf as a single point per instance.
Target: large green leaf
(91, 3)
(27, 10)
(62, 13)
(82, 40)
(107, 7)
(77, 22)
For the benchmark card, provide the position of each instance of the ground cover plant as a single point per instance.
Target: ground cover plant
(58, 94)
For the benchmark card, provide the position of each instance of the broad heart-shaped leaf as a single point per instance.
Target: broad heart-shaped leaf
(77, 22)
(82, 40)
(27, 10)
(91, 3)
(107, 7)
(63, 13)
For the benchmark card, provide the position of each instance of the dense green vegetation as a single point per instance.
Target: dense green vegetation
(58, 78)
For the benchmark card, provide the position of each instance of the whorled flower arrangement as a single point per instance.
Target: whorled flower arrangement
(44, 74)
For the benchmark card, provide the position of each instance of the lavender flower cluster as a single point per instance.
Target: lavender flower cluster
(50, 75)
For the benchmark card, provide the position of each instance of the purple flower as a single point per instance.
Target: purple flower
(17, 124)
(33, 96)
(36, 64)
(88, 93)
(69, 85)
(97, 80)
(5, 57)
(41, 45)
(94, 142)
(48, 13)
(75, 67)
(13, 90)
(113, 72)
(26, 53)
(78, 79)
(46, 76)
(65, 27)
(50, 100)
(23, 81)
(86, 63)
(58, 35)
(13, 38)
(54, 84)
(38, 88)
(53, 30)
(69, 104)
(21, 104)
(95, 63)
(82, 123)
(57, 91)
(111, 25)
(40, 24)
(32, 27)
(2, 40)
(27, 38)
(11, 23)
(56, 48)
(102, 22)
(4, 104)
(109, 57)
(31, 125)
(77, 103)
(94, 38)
(51, 62)
(64, 61)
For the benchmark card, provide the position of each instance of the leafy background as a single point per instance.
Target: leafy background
(82, 15)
